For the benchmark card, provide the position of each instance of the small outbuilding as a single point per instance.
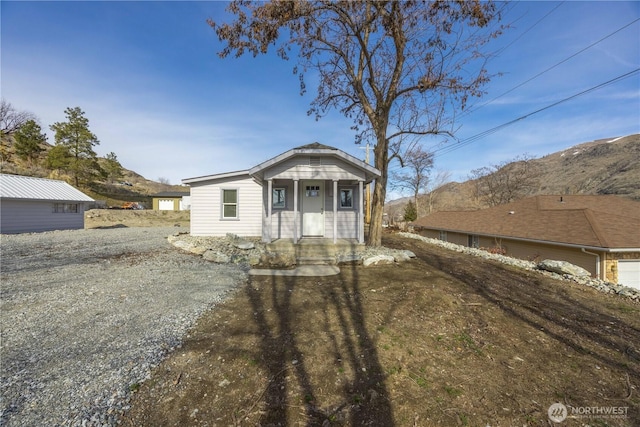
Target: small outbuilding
(29, 205)
(171, 201)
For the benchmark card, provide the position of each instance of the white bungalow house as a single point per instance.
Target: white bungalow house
(29, 205)
(309, 191)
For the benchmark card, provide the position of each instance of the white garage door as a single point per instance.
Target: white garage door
(629, 273)
(165, 205)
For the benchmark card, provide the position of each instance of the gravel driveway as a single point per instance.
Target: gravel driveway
(85, 314)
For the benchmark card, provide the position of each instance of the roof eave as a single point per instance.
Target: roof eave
(546, 242)
(215, 176)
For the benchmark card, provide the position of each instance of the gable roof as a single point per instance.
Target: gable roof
(316, 148)
(216, 176)
(174, 194)
(604, 222)
(18, 187)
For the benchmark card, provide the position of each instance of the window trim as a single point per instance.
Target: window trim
(66, 208)
(473, 241)
(223, 204)
(340, 205)
(273, 199)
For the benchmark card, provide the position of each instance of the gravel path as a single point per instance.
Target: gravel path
(86, 314)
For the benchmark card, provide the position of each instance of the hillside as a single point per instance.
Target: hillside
(606, 166)
(130, 187)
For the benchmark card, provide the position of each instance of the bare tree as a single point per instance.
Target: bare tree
(416, 163)
(439, 179)
(507, 181)
(11, 119)
(397, 69)
(163, 180)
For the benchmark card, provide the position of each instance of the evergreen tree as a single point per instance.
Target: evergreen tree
(410, 212)
(58, 158)
(74, 134)
(112, 167)
(28, 141)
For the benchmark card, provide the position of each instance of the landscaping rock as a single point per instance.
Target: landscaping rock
(404, 256)
(378, 260)
(244, 245)
(215, 256)
(562, 267)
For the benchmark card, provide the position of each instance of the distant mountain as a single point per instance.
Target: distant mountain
(605, 166)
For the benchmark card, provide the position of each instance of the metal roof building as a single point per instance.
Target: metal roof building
(29, 204)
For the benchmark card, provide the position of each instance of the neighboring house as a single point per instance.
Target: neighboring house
(309, 191)
(598, 233)
(30, 204)
(171, 201)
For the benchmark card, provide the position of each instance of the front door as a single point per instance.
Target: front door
(313, 208)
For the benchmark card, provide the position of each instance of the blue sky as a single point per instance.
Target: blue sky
(155, 92)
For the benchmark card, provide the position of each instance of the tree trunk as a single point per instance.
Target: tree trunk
(381, 152)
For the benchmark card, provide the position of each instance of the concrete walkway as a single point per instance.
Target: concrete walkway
(301, 271)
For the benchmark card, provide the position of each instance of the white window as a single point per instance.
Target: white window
(312, 191)
(65, 208)
(279, 198)
(229, 204)
(346, 198)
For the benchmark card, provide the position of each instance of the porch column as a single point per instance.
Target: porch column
(269, 208)
(360, 213)
(335, 212)
(295, 211)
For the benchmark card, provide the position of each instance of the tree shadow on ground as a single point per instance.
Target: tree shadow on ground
(286, 326)
(564, 314)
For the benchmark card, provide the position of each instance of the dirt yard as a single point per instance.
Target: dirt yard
(112, 218)
(446, 339)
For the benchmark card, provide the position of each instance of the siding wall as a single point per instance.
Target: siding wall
(526, 250)
(206, 208)
(18, 216)
(298, 167)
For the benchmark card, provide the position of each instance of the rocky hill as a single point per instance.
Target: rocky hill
(606, 166)
(129, 187)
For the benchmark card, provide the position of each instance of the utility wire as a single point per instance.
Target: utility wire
(472, 110)
(467, 141)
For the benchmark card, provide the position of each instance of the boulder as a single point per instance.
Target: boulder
(215, 256)
(378, 260)
(562, 267)
(243, 244)
(404, 256)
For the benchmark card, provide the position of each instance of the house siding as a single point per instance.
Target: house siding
(530, 251)
(24, 216)
(298, 167)
(206, 205)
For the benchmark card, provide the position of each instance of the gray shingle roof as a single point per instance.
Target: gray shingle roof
(30, 188)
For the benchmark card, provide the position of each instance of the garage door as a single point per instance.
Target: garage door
(629, 273)
(165, 205)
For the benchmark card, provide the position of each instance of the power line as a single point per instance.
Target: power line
(467, 141)
(472, 110)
